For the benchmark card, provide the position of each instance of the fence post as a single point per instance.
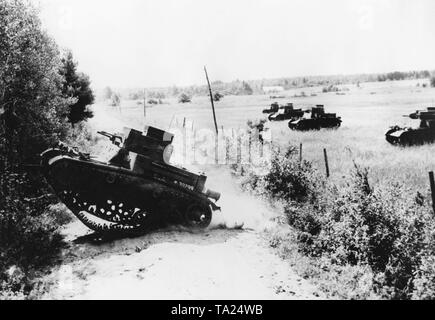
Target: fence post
(216, 149)
(170, 123)
(194, 145)
(300, 152)
(249, 149)
(326, 162)
(432, 189)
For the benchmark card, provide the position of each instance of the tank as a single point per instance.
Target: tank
(286, 112)
(137, 189)
(318, 119)
(274, 107)
(424, 133)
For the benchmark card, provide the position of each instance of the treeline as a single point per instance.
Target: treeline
(240, 87)
(397, 75)
(42, 95)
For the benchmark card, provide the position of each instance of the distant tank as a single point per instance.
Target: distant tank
(274, 107)
(136, 189)
(319, 119)
(425, 133)
(286, 112)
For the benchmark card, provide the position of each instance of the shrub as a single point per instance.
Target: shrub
(386, 229)
(115, 100)
(29, 237)
(424, 283)
(217, 96)
(290, 179)
(184, 98)
(432, 81)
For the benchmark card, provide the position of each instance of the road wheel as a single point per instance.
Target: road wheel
(198, 216)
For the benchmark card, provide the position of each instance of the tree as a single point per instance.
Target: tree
(217, 96)
(184, 98)
(247, 90)
(32, 118)
(30, 84)
(107, 93)
(115, 100)
(76, 85)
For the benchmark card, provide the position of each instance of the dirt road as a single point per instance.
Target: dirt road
(222, 262)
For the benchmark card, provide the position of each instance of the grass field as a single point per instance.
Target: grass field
(367, 112)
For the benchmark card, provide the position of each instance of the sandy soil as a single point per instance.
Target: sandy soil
(229, 260)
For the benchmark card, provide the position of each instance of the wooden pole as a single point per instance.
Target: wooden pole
(172, 119)
(300, 152)
(216, 149)
(211, 99)
(194, 145)
(432, 189)
(326, 162)
(249, 149)
(144, 104)
(184, 122)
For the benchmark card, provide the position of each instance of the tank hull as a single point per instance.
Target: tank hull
(409, 137)
(286, 116)
(314, 124)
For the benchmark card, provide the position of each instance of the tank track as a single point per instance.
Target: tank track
(118, 216)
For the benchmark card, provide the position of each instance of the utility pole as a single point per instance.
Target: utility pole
(144, 104)
(211, 99)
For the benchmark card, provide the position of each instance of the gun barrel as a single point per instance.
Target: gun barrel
(104, 133)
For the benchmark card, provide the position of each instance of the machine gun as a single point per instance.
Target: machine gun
(115, 139)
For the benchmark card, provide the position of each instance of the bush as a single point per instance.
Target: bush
(29, 237)
(424, 283)
(432, 81)
(386, 229)
(288, 179)
(184, 98)
(217, 96)
(115, 100)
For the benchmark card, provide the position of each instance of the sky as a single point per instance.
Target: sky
(152, 43)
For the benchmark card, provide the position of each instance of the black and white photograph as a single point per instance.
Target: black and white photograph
(221, 151)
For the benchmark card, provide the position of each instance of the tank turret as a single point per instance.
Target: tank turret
(286, 112)
(274, 107)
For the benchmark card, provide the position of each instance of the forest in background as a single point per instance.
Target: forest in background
(249, 87)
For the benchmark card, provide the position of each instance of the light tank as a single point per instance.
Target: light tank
(286, 112)
(425, 133)
(319, 119)
(135, 190)
(274, 107)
